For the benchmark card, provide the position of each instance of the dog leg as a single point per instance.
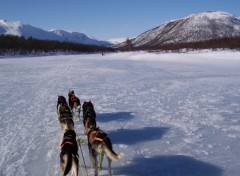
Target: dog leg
(75, 166)
(101, 155)
(79, 111)
(109, 167)
(95, 167)
(95, 164)
(91, 156)
(63, 162)
(62, 165)
(72, 111)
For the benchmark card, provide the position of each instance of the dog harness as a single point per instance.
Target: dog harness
(87, 105)
(90, 112)
(73, 98)
(69, 138)
(97, 135)
(65, 112)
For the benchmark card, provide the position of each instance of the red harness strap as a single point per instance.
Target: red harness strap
(73, 97)
(69, 137)
(94, 136)
(68, 142)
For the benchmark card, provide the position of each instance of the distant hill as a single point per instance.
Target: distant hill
(20, 29)
(196, 28)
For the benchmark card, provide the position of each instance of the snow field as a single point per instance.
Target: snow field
(170, 114)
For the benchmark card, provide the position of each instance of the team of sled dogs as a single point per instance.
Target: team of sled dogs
(98, 141)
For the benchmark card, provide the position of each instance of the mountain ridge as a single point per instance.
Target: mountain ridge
(18, 28)
(193, 28)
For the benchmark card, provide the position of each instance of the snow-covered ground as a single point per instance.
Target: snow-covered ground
(170, 114)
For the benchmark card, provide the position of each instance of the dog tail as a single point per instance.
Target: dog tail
(109, 150)
(68, 161)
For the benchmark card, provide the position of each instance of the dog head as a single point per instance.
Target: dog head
(70, 134)
(87, 105)
(62, 106)
(61, 100)
(71, 92)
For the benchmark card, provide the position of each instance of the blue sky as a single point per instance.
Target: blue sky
(106, 19)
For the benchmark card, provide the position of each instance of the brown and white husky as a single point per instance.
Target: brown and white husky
(64, 114)
(100, 144)
(74, 103)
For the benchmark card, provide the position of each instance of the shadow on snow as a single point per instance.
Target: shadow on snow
(118, 116)
(132, 136)
(177, 165)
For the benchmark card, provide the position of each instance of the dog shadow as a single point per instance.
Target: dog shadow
(118, 116)
(133, 136)
(176, 165)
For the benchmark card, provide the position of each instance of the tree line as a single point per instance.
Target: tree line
(230, 43)
(19, 45)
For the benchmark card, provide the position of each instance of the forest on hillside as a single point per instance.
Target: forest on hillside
(19, 45)
(228, 43)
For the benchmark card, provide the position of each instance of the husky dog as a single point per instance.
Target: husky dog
(90, 123)
(87, 105)
(74, 103)
(64, 114)
(88, 111)
(69, 153)
(100, 144)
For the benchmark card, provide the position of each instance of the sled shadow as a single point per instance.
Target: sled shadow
(133, 136)
(119, 116)
(177, 165)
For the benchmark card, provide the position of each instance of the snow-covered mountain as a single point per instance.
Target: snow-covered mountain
(26, 30)
(193, 28)
(117, 40)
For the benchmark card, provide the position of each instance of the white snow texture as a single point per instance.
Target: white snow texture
(170, 114)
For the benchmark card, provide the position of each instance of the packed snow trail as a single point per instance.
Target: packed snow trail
(171, 114)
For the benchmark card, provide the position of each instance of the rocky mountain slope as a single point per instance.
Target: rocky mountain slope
(193, 28)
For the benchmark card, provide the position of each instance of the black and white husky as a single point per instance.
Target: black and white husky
(64, 114)
(88, 111)
(100, 144)
(74, 103)
(69, 157)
